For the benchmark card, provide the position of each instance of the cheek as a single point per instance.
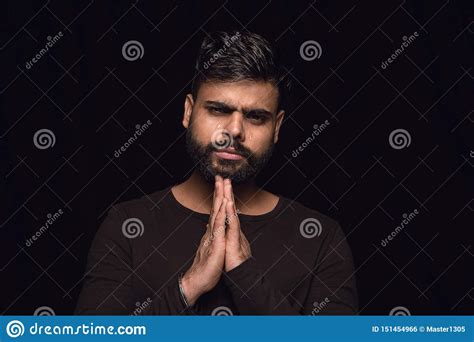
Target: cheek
(206, 127)
(258, 140)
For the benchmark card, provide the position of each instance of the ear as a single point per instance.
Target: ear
(279, 121)
(188, 109)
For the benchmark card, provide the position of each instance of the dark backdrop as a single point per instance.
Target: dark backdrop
(91, 98)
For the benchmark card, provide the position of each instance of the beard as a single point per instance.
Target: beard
(239, 171)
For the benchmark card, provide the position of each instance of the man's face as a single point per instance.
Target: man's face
(232, 128)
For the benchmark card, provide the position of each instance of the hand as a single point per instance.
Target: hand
(237, 247)
(208, 263)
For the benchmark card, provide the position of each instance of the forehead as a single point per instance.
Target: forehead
(247, 94)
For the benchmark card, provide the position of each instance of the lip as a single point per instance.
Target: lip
(228, 155)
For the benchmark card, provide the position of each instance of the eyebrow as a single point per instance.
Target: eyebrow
(229, 108)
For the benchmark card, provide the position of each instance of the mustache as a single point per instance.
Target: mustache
(239, 149)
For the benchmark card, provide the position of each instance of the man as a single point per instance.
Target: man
(217, 244)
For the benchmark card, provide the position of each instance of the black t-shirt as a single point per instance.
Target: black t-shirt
(301, 263)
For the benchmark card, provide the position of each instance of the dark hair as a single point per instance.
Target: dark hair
(236, 56)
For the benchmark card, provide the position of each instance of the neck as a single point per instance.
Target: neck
(201, 192)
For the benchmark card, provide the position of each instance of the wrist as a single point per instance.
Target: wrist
(188, 290)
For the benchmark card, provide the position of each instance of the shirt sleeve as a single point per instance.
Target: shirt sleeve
(107, 287)
(332, 288)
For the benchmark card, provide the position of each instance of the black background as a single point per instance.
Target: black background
(92, 98)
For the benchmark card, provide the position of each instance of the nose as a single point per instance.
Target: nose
(235, 126)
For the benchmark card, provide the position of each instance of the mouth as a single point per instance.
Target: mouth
(228, 154)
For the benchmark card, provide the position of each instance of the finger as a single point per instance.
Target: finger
(219, 223)
(227, 189)
(233, 229)
(217, 200)
(231, 194)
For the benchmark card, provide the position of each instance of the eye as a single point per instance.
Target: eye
(216, 110)
(258, 118)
